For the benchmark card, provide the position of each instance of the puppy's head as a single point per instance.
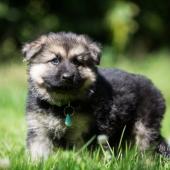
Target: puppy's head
(62, 65)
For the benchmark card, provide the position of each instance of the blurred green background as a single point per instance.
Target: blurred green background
(133, 27)
(134, 34)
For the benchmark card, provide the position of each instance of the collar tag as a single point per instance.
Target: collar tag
(68, 112)
(68, 120)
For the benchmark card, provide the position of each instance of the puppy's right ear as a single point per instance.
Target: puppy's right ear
(29, 50)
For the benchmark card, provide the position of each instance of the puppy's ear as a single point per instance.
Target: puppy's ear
(29, 50)
(95, 52)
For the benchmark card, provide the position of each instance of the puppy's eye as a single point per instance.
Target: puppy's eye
(78, 60)
(56, 60)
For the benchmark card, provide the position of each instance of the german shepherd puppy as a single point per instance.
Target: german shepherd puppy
(70, 100)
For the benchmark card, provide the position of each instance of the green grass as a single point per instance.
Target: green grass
(13, 128)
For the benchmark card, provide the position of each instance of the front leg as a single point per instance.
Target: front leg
(39, 145)
(109, 130)
(42, 129)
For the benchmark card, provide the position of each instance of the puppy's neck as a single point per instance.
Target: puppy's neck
(60, 103)
(60, 100)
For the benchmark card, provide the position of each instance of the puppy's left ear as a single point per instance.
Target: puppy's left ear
(95, 51)
(29, 50)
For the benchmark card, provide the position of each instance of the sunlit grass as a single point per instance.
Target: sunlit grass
(13, 127)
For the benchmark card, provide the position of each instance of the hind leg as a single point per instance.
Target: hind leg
(147, 138)
(148, 124)
(144, 135)
(150, 113)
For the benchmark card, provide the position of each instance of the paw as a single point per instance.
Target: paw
(102, 139)
(103, 142)
(40, 150)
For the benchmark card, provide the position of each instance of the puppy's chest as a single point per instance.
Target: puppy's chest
(81, 125)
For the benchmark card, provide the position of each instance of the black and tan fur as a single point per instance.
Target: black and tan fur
(62, 70)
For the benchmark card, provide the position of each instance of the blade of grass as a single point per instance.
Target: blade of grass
(86, 144)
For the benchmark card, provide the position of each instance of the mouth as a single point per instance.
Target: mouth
(61, 89)
(64, 87)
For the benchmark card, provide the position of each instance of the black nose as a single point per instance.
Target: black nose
(67, 76)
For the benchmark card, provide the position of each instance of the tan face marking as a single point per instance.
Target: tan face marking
(57, 49)
(76, 50)
(52, 50)
(37, 71)
(87, 74)
(45, 57)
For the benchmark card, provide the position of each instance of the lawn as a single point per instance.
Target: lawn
(13, 129)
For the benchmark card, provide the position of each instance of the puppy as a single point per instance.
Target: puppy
(70, 100)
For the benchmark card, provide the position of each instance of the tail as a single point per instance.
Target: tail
(163, 148)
